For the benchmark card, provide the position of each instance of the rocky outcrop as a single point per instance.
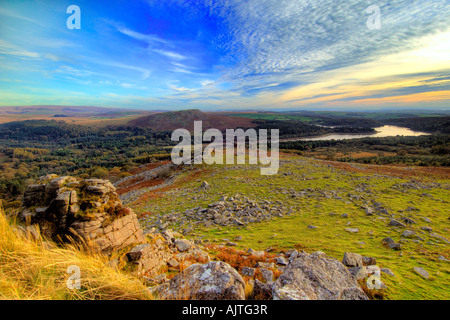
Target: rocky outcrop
(90, 211)
(228, 211)
(215, 280)
(315, 277)
(84, 210)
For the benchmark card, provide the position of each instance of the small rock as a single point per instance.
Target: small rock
(422, 272)
(204, 185)
(369, 261)
(182, 245)
(352, 259)
(173, 263)
(396, 223)
(408, 234)
(352, 230)
(387, 271)
(282, 260)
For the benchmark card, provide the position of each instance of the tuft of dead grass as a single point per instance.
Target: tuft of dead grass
(32, 268)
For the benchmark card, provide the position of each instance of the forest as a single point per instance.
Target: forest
(29, 149)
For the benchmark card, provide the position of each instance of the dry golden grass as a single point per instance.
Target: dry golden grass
(31, 268)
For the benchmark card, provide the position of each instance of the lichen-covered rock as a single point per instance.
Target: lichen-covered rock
(313, 277)
(89, 210)
(215, 280)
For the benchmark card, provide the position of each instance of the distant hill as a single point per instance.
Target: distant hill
(185, 119)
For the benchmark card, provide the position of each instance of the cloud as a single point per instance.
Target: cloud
(170, 54)
(280, 41)
(148, 38)
(15, 15)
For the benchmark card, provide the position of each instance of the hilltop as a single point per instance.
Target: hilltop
(185, 119)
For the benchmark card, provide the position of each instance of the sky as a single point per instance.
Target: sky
(227, 54)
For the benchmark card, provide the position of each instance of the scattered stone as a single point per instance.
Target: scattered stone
(426, 219)
(352, 230)
(258, 254)
(387, 271)
(437, 236)
(408, 220)
(312, 227)
(266, 265)
(137, 252)
(182, 245)
(396, 223)
(426, 228)
(391, 243)
(173, 263)
(421, 272)
(204, 185)
(282, 261)
(369, 261)
(410, 234)
(352, 259)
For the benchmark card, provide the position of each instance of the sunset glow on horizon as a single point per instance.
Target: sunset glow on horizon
(226, 55)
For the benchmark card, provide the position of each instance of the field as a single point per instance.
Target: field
(317, 193)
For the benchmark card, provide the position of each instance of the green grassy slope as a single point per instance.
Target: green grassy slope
(329, 190)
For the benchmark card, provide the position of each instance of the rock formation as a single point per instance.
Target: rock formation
(84, 210)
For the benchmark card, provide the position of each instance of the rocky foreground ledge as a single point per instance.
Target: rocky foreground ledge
(90, 212)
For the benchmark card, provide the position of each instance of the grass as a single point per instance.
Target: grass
(291, 231)
(31, 268)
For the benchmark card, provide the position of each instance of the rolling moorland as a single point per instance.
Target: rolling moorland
(330, 196)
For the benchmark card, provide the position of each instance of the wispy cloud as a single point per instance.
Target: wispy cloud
(15, 15)
(170, 54)
(148, 38)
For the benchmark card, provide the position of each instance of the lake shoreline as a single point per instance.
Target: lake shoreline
(381, 132)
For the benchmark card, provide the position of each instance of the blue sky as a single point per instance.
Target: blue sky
(229, 54)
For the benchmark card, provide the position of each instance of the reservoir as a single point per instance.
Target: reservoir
(384, 131)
